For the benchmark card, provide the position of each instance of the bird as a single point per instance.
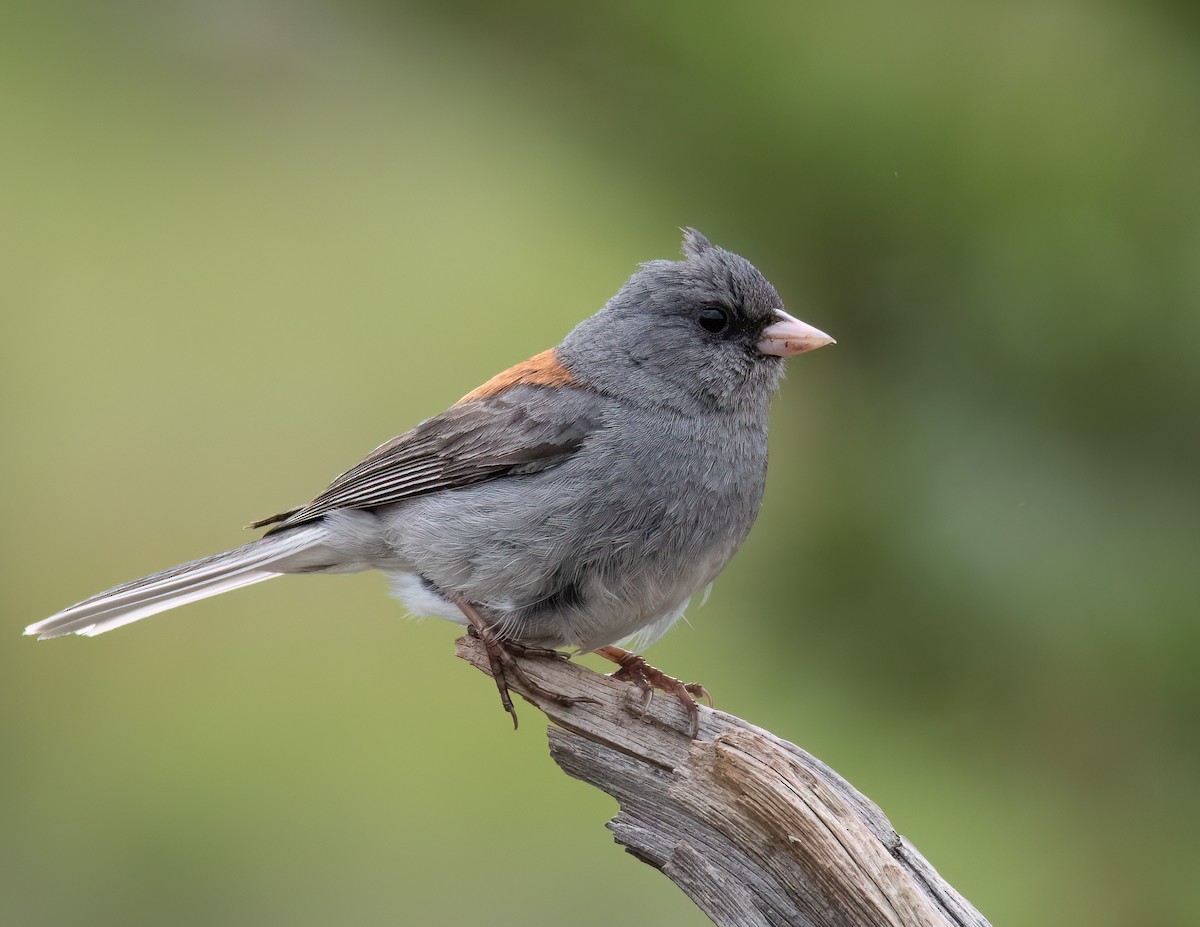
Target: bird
(578, 500)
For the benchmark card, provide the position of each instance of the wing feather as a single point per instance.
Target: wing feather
(523, 430)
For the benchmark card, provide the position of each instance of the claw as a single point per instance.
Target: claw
(502, 661)
(495, 655)
(635, 669)
(695, 690)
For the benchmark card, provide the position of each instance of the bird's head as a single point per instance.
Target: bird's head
(708, 331)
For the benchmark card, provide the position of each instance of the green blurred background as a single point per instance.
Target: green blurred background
(244, 242)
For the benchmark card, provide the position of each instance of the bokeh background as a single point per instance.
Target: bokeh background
(245, 241)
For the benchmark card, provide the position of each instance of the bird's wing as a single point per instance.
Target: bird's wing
(523, 428)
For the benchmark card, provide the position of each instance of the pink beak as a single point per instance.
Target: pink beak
(790, 336)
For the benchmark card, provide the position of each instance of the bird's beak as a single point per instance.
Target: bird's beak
(790, 336)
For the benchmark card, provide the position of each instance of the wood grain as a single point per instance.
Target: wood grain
(755, 830)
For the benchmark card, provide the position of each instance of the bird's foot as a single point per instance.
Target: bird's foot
(541, 653)
(505, 668)
(635, 669)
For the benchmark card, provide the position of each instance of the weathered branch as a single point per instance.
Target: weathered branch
(755, 830)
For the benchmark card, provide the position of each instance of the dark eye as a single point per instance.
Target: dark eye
(713, 319)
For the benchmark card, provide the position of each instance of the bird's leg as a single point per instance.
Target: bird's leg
(502, 660)
(635, 669)
(478, 629)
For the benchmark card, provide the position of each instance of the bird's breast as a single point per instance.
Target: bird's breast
(589, 552)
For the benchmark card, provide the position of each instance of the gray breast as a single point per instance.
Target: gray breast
(591, 551)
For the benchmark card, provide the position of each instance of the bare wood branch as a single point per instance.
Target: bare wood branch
(755, 830)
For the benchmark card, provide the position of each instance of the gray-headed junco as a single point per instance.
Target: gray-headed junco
(579, 499)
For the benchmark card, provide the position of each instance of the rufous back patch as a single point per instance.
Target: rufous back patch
(540, 370)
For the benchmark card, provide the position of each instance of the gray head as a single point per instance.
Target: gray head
(708, 331)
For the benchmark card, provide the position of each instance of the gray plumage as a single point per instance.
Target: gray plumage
(578, 502)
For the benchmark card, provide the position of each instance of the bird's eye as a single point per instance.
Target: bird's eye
(713, 319)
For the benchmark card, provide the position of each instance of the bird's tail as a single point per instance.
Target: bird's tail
(287, 552)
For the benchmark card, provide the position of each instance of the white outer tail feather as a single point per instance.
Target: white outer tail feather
(252, 563)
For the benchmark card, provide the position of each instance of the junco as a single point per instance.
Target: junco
(579, 499)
